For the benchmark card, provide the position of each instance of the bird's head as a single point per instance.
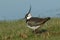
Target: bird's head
(28, 15)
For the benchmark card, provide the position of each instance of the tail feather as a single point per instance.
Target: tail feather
(46, 19)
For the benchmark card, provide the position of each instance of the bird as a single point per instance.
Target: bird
(34, 22)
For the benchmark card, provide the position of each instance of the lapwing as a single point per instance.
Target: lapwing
(34, 22)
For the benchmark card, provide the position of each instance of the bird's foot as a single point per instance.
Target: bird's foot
(35, 31)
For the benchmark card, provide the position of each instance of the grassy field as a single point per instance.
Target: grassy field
(17, 30)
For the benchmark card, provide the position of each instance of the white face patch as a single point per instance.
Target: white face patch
(29, 16)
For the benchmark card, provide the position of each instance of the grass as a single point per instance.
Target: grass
(17, 30)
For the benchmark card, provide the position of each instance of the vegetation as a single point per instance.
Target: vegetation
(18, 30)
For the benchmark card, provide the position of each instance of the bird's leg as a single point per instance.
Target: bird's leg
(35, 31)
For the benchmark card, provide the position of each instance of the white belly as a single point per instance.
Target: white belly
(33, 27)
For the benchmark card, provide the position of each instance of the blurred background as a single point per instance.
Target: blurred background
(16, 9)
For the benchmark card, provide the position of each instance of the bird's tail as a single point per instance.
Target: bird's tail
(48, 18)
